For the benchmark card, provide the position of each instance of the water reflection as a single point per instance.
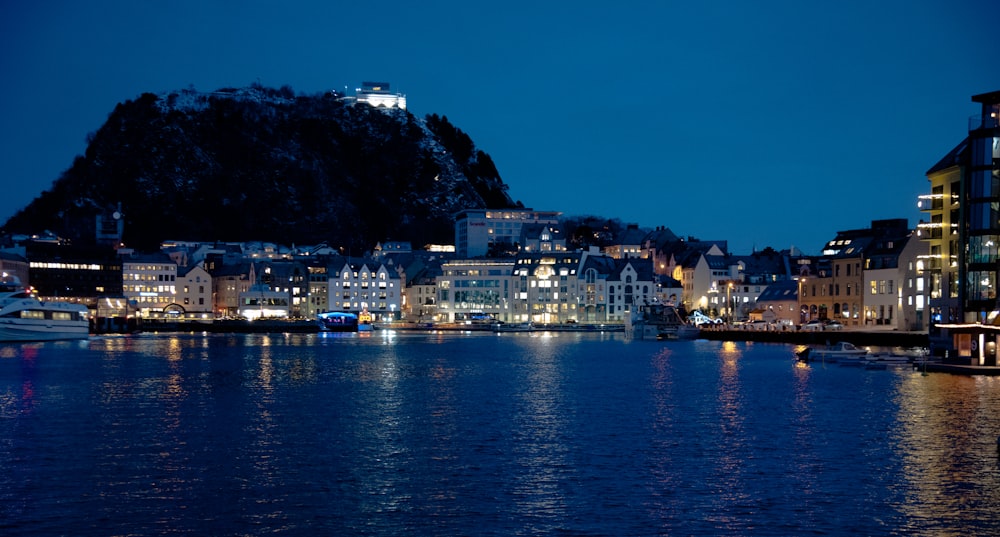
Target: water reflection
(948, 441)
(539, 448)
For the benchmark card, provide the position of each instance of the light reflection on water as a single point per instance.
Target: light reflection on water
(396, 433)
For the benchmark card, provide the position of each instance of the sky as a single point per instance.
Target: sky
(770, 123)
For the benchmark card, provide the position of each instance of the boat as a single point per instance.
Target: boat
(885, 361)
(841, 352)
(659, 321)
(365, 321)
(513, 327)
(23, 317)
(338, 321)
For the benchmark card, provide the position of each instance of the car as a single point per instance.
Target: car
(833, 325)
(814, 325)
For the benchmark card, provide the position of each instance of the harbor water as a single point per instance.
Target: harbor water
(390, 433)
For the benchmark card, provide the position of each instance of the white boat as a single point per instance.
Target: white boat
(25, 318)
(840, 352)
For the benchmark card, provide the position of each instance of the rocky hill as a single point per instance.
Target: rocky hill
(264, 164)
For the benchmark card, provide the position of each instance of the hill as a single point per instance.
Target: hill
(264, 164)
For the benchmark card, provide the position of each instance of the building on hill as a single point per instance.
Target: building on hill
(378, 94)
(542, 238)
(628, 243)
(477, 231)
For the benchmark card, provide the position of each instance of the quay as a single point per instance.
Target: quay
(860, 338)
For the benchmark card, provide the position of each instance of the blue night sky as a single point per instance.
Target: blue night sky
(761, 123)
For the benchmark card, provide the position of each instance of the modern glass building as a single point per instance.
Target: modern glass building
(963, 236)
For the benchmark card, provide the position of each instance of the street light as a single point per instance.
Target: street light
(729, 302)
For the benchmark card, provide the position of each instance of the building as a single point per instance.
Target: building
(81, 274)
(228, 281)
(194, 294)
(149, 282)
(480, 231)
(378, 94)
(893, 292)
(629, 243)
(475, 289)
(357, 285)
(15, 265)
(963, 239)
(778, 303)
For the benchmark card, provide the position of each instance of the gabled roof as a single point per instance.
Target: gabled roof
(783, 291)
(955, 157)
(631, 235)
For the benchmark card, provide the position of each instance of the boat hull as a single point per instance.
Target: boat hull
(17, 330)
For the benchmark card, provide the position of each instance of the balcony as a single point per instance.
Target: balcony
(979, 122)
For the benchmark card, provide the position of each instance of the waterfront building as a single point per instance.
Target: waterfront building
(864, 278)
(357, 285)
(668, 290)
(963, 231)
(592, 286)
(420, 294)
(12, 264)
(545, 287)
(894, 295)
(778, 303)
(194, 294)
(229, 280)
(288, 277)
(260, 301)
(707, 277)
(478, 231)
(475, 290)
(318, 295)
(963, 241)
(80, 274)
(631, 284)
(149, 283)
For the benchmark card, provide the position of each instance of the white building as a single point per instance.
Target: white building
(378, 94)
(358, 285)
(194, 293)
(894, 292)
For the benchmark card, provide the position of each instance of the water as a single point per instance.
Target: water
(484, 434)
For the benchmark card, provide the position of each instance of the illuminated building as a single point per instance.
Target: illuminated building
(963, 240)
(149, 282)
(477, 231)
(364, 284)
(378, 94)
(475, 289)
